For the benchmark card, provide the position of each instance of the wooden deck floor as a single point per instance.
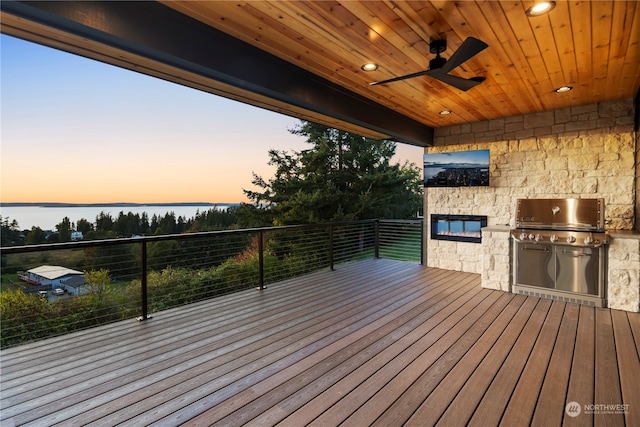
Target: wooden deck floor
(373, 343)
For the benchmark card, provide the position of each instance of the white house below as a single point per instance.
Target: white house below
(55, 276)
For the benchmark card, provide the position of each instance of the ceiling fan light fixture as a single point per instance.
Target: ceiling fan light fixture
(437, 62)
(563, 89)
(369, 66)
(540, 8)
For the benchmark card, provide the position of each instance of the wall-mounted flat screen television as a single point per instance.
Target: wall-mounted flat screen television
(457, 169)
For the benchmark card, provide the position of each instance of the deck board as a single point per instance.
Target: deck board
(340, 347)
(376, 342)
(352, 389)
(581, 382)
(628, 362)
(442, 397)
(495, 399)
(458, 359)
(223, 365)
(607, 377)
(315, 381)
(551, 404)
(523, 401)
(267, 374)
(439, 361)
(459, 408)
(386, 384)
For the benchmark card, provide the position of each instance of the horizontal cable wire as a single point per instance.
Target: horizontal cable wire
(181, 269)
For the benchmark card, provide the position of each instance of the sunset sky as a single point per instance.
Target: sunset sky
(79, 131)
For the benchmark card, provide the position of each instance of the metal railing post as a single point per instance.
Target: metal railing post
(422, 262)
(377, 239)
(331, 247)
(143, 283)
(261, 259)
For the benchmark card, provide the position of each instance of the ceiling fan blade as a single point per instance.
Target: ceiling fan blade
(458, 82)
(395, 79)
(468, 49)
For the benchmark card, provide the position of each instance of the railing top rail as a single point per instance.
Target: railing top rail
(9, 250)
(402, 221)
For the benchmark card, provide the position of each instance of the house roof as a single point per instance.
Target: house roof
(53, 272)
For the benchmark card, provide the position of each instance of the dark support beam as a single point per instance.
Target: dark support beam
(158, 33)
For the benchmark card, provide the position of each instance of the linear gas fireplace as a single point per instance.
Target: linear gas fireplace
(459, 228)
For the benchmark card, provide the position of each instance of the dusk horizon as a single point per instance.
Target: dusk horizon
(79, 131)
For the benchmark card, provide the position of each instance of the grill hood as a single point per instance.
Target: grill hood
(561, 214)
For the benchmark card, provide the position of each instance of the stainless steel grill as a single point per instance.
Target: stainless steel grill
(559, 250)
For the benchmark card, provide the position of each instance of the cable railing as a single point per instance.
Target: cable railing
(53, 289)
(400, 240)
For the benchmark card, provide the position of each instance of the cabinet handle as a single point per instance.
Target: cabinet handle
(536, 249)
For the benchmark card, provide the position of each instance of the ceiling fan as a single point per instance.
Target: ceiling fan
(439, 67)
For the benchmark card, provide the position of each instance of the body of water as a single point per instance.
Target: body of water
(47, 217)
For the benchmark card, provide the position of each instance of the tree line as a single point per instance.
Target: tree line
(341, 177)
(106, 226)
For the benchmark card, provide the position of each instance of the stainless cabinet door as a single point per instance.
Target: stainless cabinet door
(535, 265)
(577, 270)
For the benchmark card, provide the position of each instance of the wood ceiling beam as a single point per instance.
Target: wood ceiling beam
(161, 35)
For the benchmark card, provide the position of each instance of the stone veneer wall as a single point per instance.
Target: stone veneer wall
(623, 275)
(637, 128)
(588, 151)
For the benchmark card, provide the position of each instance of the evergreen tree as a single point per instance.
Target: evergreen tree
(36, 236)
(153, 227)
(212, 220)
(342, 177)
(104, 222)
(64, 230)
(167, 224)
(144, 223)
(84, 226)
(10, 233)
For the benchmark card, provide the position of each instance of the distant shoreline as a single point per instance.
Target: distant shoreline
(47, 215)
(116, 204)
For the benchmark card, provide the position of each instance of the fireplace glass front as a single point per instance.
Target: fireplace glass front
(459, 228)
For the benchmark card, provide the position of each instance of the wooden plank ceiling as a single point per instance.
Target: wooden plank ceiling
(592, 46)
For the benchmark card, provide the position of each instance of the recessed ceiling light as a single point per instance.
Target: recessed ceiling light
(444, 112)
(369, 66)
(563, 89)
(540, 8)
